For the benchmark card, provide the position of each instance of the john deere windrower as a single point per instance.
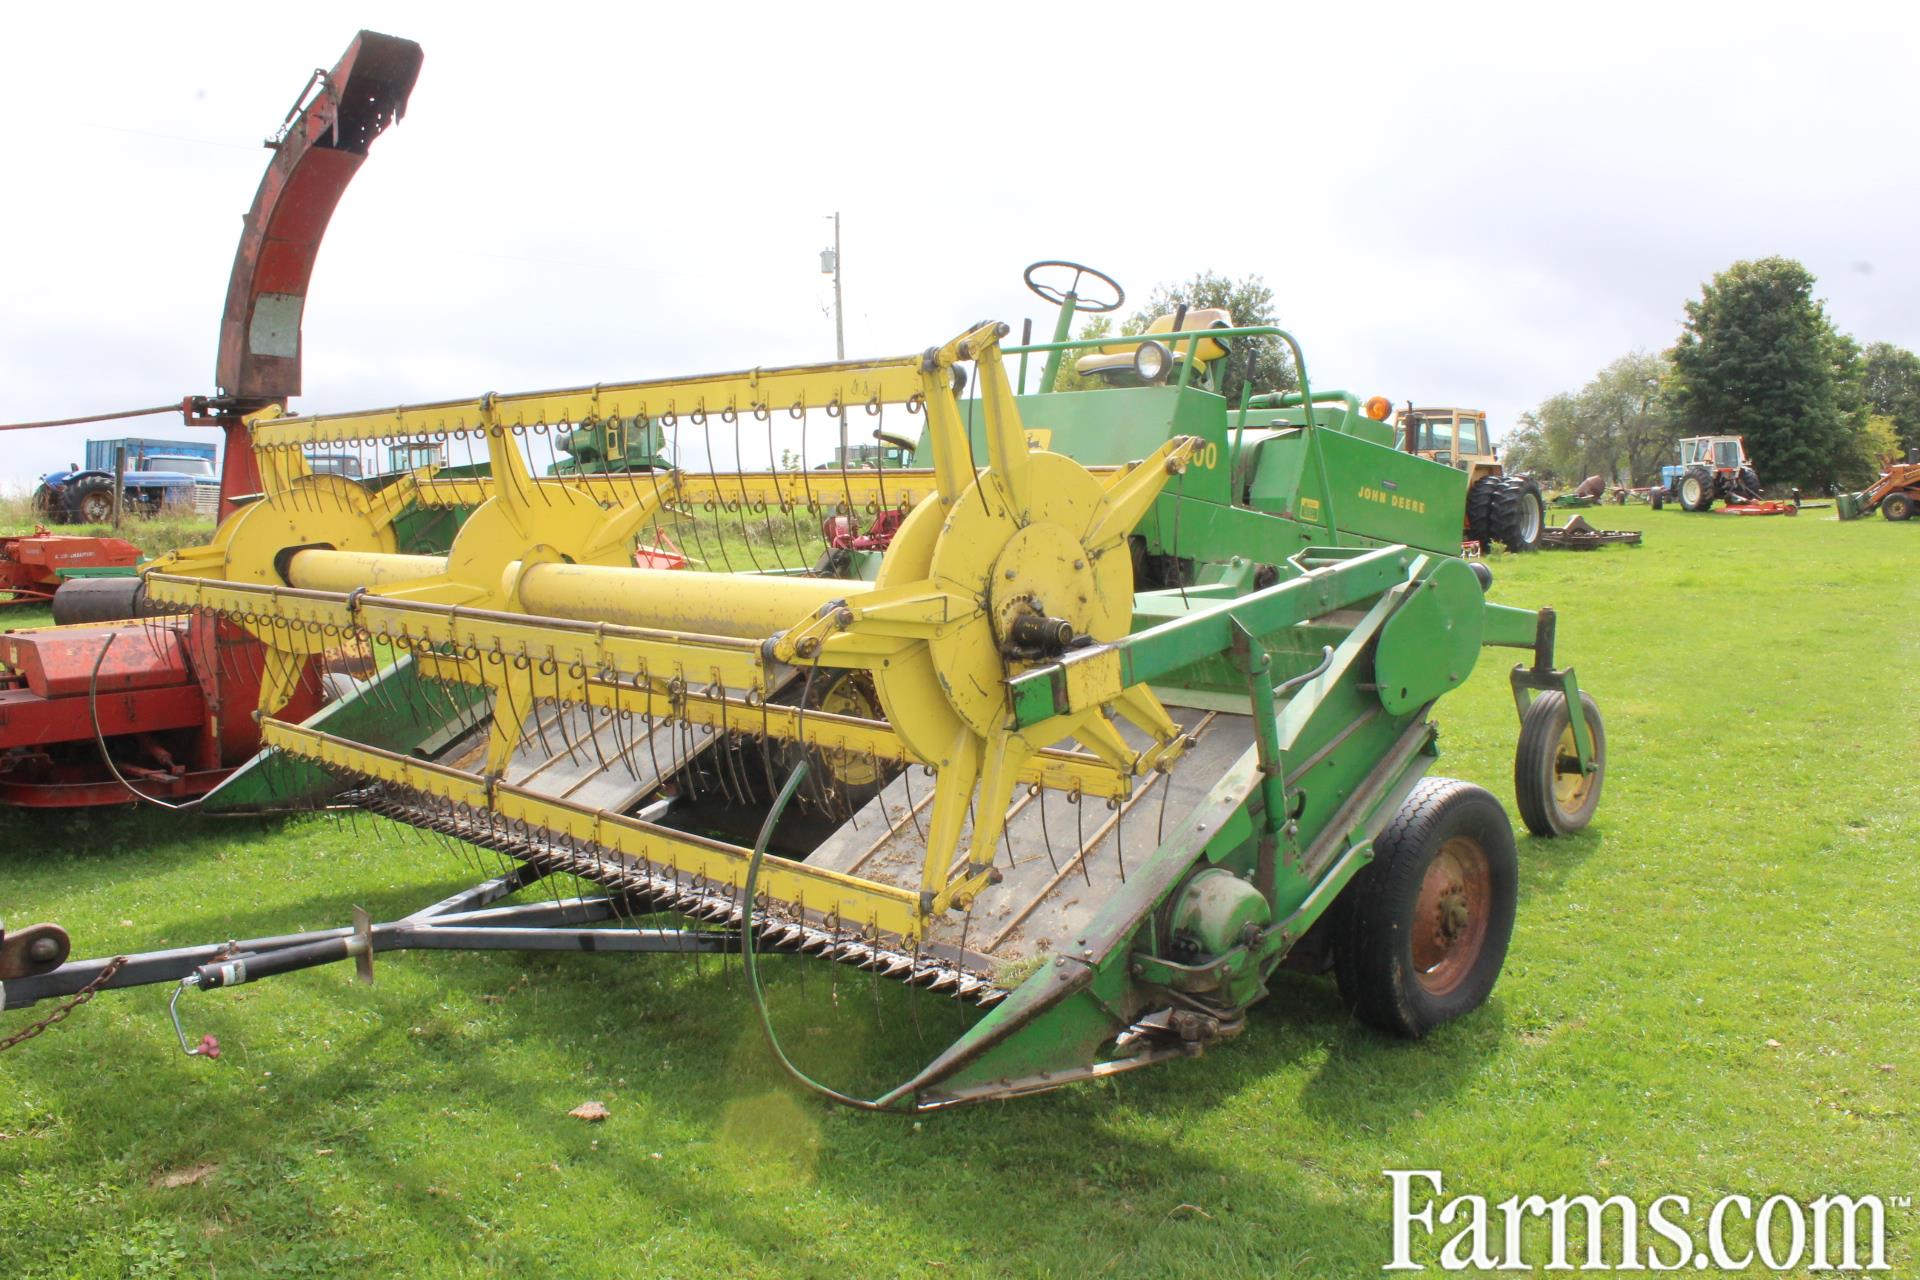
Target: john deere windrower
(1127, 701)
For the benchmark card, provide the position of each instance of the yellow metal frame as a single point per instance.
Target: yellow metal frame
(760, 393)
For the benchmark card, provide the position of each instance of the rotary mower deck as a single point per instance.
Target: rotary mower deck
(1132, 706)
(1577, 535)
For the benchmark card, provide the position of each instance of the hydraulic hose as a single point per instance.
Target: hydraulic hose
(748, 952)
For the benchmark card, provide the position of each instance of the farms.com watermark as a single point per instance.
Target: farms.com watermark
(1616, 1233)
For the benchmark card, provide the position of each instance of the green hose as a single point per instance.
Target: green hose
(748, 952)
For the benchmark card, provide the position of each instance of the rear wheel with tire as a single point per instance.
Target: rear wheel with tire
(1427, 922)
(1519, 513)
(1555, 798)
(1696, 489)
(91, 501)
(1480, 499)
(1897, 506)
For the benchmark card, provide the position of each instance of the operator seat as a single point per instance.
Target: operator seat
(1119, 355)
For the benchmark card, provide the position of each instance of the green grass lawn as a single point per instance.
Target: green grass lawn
(1714, 989)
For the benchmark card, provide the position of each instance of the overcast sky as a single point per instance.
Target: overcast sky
(1465, 204)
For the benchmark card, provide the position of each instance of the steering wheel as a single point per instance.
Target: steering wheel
(1059, 296)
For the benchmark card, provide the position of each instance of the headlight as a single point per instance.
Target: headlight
(1150, 361)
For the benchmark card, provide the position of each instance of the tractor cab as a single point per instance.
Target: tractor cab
(606, 445)
(1457, 437)
(1722, 453)
(335, 464)
(416, 454)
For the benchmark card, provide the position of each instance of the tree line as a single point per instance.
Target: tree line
(1758, 357)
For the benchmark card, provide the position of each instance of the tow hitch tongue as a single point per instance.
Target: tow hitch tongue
(38, 948)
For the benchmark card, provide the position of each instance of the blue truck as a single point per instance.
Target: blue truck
(161, 476)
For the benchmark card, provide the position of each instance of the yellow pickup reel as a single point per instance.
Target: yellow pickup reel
(994, 570)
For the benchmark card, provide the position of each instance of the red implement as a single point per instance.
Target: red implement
(32, 565)
(171, 698)
(662, 553)
(1767, 508)
(843, 533)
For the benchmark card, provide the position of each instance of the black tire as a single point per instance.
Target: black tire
(1519, 513)
(1480, 500)
(1696, 488)
(1897, 506)
(1749, 483)
(1555, 798)
(1404, 908)
(842, 784)
(46, 503)
(91, 501)
(1658, 499)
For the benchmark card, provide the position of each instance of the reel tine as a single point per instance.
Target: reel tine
(653, 741)
(1046, 837)
(620, 722)
(786, 507)
(1079, 804)
(592, 727)
(562, 713)
(913, 993)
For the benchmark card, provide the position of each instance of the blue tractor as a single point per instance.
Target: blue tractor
(161, 476)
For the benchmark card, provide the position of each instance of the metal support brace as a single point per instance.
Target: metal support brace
(1544, 677)
(1252, 659)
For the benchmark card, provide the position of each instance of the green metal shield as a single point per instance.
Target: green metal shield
(1432, 640)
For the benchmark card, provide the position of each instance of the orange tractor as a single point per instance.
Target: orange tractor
(1896, 493)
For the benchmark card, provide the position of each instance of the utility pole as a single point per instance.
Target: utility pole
(830, 265)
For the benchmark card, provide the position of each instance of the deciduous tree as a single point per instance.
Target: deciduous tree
(1892, 377)
(1615, 426)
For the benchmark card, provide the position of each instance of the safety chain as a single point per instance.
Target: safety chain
(80, 997)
